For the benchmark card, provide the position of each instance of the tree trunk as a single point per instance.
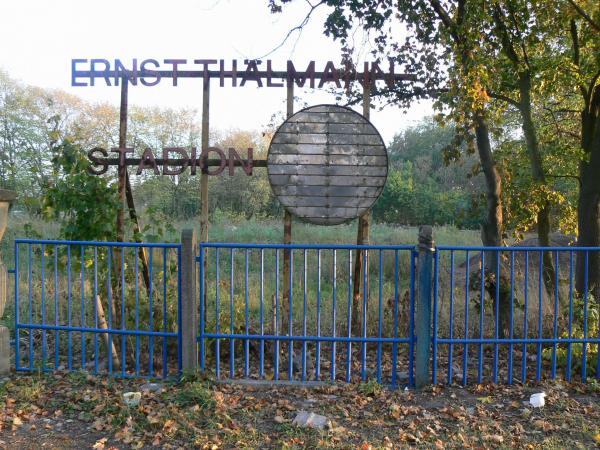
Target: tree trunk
(588, 205)
(537, 171)
(491, 227)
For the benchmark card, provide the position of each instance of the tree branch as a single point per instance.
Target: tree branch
(298, 27)
(585, 15)
(575, 39)
(505, 98)
(445, 18)
(506, 42)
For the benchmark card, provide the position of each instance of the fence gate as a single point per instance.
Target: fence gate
(318, 330)
(98, 306)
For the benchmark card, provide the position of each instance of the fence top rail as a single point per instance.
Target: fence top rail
(481, 248)
(98, 243)
(242, 245)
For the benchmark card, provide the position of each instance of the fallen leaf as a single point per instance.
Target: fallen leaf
(100, 444)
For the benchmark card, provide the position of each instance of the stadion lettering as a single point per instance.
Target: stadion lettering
(174, 161)
(150, 72)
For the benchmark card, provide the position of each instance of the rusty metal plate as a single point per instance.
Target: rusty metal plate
(327, 164)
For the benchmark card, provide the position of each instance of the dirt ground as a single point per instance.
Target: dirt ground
(78, 411)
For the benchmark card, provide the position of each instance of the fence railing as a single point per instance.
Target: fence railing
(98, 306)
(513, 314)
(257, 321)
(418, 314)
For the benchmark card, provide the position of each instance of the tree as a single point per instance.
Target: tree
(86, 205)
(434, 31)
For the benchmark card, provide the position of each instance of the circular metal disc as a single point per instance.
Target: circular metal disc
(327, 164)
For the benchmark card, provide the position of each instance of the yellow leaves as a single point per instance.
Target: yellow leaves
(100, 444)
(596, 438)
(488, 400)
(16, 422)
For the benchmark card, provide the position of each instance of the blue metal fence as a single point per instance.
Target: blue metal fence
(502, 314)
(308, 334)
(98, 306)
(540, 317)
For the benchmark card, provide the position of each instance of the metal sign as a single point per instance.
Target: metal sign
(251, 72)
(174, 165)
(327, 164)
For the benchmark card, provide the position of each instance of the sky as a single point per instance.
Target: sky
(41, 37)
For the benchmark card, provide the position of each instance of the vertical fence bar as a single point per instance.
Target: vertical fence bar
(291, 318)
(95, 294)
(30, 296)
(525, 320)
(423, 307)
(276, 312)
(231, 317)
(481, 316)
(585, 320)
(318, 343)
(364, 319)
(123, 319)
(434, 342)
(110, 302)
(43, 305)
(56, 311)
(262, 313)
(555, 327)
(451, 319)
(395, 333)
(497, 314)
(538, 370)
(180, 311)
(137, 312)
(164, 324)
(304, 318)
(466, 346)
(17, 309)
(69, 310)
(151, 311)
(83, 334)
(349, 321)
(570, 325)
(246, 318)
(217, 311)
(411, 326)
(512, 317)
(380, 317)
(334, 317)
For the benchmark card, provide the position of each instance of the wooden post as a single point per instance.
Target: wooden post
(423, 306)
(287, 229)
(361, 262)
(122, 174)
(122, 170)
(189, 311)
(204, 174)
(137, 232)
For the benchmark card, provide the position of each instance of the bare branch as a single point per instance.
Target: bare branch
(296, 28)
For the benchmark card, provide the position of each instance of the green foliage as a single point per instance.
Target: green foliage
(576, 349)
(86, 205)
(429, 181)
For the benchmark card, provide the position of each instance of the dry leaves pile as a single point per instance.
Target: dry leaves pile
(201, 414)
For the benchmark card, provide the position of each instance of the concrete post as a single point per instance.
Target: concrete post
(6, 198)
(189, 303)
(423, 307)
